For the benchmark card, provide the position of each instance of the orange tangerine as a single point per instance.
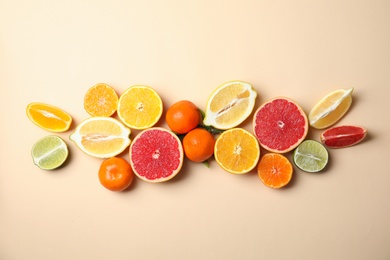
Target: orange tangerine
(49, 117)
(275, 170)
(101, 100)
(198, 145)
(183, 116)
(237, 151)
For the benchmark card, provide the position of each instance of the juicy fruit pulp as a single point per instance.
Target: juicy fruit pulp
(49, 152)
(49, 117)
(140, 107)
(237, 151)
(101, 100)
(230, 104)
(280, 125)
(101, 137)
(115, 174)
(183, 116)
(311, 156)
(343, 136)
(156, 155)
(275, 170)
(331, 108)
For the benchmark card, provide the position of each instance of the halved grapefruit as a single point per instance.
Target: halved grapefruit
(280, 125)
(156, 155)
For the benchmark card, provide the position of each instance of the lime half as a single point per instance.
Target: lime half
(311, 156)
(49, 152)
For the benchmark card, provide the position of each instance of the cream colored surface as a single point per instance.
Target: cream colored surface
(53, 51)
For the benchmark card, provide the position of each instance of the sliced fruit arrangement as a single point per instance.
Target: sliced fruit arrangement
(274, 170)
(101, 100)
(311, 156)
(343, 136)
(330, 108)
(280, 125)
(48, 117)
(50, 152)
(156, 155)
(140, 107)
(101, 137)
(230, 104)
(237, 151)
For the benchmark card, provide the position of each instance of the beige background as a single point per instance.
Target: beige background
(53, 51)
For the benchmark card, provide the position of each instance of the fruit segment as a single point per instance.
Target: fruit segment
(49, 117)
(101, 100)
(310, 156)
(331, 108)
(230, 104)
(343, 136)
(274, 170)
(50, 152)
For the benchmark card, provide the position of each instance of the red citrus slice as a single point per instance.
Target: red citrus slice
(280, 125)
(343, 136)
(156, 155)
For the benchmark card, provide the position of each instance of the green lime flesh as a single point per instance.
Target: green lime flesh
(311, 156)
(49, 152)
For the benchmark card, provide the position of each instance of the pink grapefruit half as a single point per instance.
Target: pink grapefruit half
(280, 125)
(156, 155)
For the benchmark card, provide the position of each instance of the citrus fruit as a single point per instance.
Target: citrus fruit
(49, 117)
(237, 151)
(156, 155)
(274, 170)
(198, 145)
(101, 137)
(115, 174)
(183, 116)
(50, 152)
(280, 125)
(330, 108)
(140, 107)
(310, 156)
(230, 104)
(101, 100)
(343, 136)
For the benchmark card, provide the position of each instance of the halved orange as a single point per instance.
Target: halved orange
(140, 107)
(49, 117)
(275, 170)
(101, 137)
(237, 151)
(101, 100)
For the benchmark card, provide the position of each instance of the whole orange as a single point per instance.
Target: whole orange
(198, 145)
(183, 116)
(115, 174)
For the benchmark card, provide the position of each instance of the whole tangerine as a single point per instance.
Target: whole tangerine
(198, 145)
(115, 174)
(183, 116)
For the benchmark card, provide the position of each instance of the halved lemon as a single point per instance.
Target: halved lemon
(230, 104)
(330, 108)
(101, 137)
(49, 117)
(140, 107)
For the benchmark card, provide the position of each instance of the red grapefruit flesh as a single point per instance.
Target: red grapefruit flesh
(280, 125)
(156, 155)
(343, 136)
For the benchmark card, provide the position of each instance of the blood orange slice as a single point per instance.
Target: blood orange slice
(343, 136)
(156, 155)
(280, 125)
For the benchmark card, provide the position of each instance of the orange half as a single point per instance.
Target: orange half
(275, 170)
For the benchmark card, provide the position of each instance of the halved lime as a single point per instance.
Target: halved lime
(311, 156)
(50, 152)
